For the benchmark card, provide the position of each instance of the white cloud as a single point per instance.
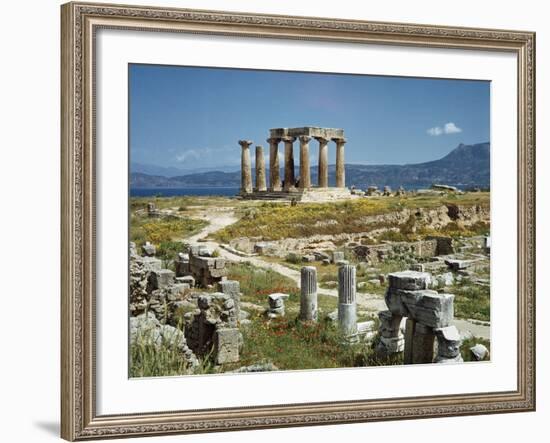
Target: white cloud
(451, 128)
(435, 131)
(200, 154)
(187, 155)
(448, 128)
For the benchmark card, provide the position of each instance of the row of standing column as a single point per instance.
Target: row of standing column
(289, 178)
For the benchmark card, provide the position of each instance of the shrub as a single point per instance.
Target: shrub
(293, 258)
(162, 230)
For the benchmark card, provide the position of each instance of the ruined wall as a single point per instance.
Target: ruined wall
(377, 253)
(435, 218)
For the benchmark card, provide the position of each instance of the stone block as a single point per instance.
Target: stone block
(425, 306)
(308, 258)
(365, 326)
(443, 280)
(188, 279)
(332, 317)
(432, 309)
(205, 251)
(151, 263)
(337, 256)
(194, 250)
(409, 280)
(276, 300)
(161, 279)
(227, 342)
(182, 268)
(177, 290)
(418, 267)
(391, 345)
(479, 352)
(395, 303)
(448, 342)
(218, 273)
(149, 249)
(457, 265)
(319, 255)
(389, 324)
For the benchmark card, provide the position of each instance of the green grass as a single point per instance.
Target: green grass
(148, 361)
(180, 203)
(290, 345)
(275, 221)
(472, 301)
(256, 284)
(163, 231)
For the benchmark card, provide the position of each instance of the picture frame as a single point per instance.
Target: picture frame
(80, 24)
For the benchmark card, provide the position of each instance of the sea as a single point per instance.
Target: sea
(223, 191)
(231, 191)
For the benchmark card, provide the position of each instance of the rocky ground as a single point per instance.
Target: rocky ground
(458, 265)
(221, 217)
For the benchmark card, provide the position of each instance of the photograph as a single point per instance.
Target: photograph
(289, 220)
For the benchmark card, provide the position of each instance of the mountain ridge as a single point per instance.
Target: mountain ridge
(464, 166)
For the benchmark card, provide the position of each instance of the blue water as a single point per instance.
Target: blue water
(174, 192)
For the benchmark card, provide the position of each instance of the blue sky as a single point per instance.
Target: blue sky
(188, 117)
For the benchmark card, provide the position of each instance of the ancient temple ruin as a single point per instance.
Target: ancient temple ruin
(291, 187)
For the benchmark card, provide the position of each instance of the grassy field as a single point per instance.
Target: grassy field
(163, 232)
(257, 284)
(273, 221)
(472, 301)
(290, 344)
(182, 203)
(287, 342)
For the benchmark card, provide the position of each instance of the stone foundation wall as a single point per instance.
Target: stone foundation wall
(212, 330)
(377, 253)
(435, 218)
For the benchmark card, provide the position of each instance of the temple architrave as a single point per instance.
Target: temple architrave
(291, 187)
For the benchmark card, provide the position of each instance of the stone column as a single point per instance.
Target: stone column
(409, 334)
(260, 169)
(423, 341)
(323, 162)
(340, 163)
(308, 294)
(246, 171)
(289, 163)
(232, 288)
(274, 174)
(305, 177)
(347, 305)
(391, 338)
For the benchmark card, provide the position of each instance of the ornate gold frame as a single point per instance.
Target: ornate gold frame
(79, 420)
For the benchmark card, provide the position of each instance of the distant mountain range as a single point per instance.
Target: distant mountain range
(165, 171)
(465, 166)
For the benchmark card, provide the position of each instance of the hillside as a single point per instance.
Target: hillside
(465, 166)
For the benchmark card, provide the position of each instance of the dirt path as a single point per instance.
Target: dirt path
(219, 218)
